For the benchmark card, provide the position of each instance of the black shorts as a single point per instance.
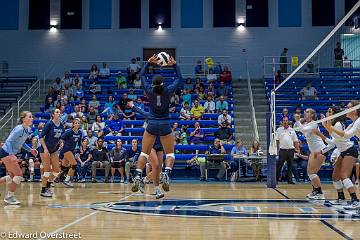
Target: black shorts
(118, 164)
(352, 151)
(3, 153)
(51, 151)
(159, 127)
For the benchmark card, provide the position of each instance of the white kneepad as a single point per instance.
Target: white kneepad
(17, 179)
(144, 155)
(47, 174)
(312, 176)
(347, 183)
(172, 155)
(338, 184)
(8, 179)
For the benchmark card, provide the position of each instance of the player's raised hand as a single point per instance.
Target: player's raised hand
(153, 59)
(171, 61)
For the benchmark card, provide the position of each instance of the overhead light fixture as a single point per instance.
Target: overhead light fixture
(53, 26)
(160, 28)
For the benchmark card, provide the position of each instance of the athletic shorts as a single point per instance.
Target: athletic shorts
(118, 164)
(158, 127)
(352, 151)
(3, 153)
(51, 151)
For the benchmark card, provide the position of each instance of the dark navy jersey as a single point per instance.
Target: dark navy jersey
(51, 135)
(159, 104)
(84, 153)
(71, 140)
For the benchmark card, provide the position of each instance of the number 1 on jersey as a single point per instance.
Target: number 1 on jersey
(158, 101)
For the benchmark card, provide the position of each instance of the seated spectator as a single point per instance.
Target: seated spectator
(285, 114)
(95, 87)
(185, 112)
(216, 148)
(124, 101)
(137, 81)
(57, 86)
(197, 135)
(132, 156)
(114, 126)
(198, 68)
(139, 103)
(222, 90)
(78, 80)
(121, 81)
(100, 160)
(176, 133)
(186, 97)
(49, 106)
(92, 139)
(210, 91)
(92, 115)
(128, 113)
(104, 71)
(255, 148)
(188, 85)
(238, 153)
(224, 133)
(51, 94)
(221, 105)
(118, 156)
(224, 117)
(300, 163)
(78, 91)
(66, 80)
(133, 69)
(173, 105)
(308, 92)
(84, 125)
(225, 75)
(132, 95)
(94, 73)
(211, 76)
(279, 78)
(200, 93)
(94, 103)
(77, 112)
(83, 158)
(183, 136)
(98, 126)
(63, 116)
(198, 84)
(209, 105)
(197, 111)
(298, 111)
(109, 106)
(217, 68)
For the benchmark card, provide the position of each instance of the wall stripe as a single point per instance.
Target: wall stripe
(100, 15)
(289, 13)
(191, 13)
(9, 14)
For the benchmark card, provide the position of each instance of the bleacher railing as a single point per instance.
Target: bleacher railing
(5, 120)
(188, 63)
(34, 90)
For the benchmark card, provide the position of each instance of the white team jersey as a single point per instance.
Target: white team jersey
(341, 143)
(315, 143)
(353, 129)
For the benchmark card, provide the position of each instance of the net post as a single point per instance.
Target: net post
(271, 158)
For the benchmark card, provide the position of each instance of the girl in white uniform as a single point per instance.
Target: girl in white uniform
(316, 146)
(348, 155)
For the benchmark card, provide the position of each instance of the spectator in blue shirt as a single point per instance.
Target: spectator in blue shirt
(237, 154)
(221, 104)
(222, 90)
(114, 126)
(139, 103)
(198, 67)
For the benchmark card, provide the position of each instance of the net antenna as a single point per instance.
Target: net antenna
(273, 144)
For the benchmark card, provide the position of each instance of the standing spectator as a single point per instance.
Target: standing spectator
(83, 158)
(118, 156)
(98, 126)
(121, 81)
(104, 71)
(92, 139)
(185, 112)
(94, 103)
(222, 90)
(114, 126)
(197, 111)
(283, 61)
(224, 117)
(238, 152)
(308, 92)
(225, 75)
(216, 148)
(132, 156)
(100, 159)
(95, 87)
(133, 69)
(94, 72)
(224, 133)
(198, 68)
(338, 54)
(92, 115)
(197, 135)
(287, 142)
(209, 105)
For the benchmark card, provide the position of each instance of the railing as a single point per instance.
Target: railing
(188, 63)
(27, 97)
(8, 117)
(253, 115)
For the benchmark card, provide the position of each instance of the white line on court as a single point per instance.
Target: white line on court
(81, 219)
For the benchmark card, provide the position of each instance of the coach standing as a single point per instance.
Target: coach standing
(287, 143)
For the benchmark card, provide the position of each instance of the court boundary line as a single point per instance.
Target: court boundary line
(81, 219)
(327, 224)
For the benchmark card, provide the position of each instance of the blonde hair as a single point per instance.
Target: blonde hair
(313, 112)
(23, 115)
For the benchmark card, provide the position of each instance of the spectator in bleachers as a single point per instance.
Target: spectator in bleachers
(308, 92)
(95, 87)
(133, 69)
(137, 81)
(94, 72)
(98, 126)
(186, 97)
(124, 101)
(188, 85)
(118, 156)
(49, 106)
(216, 148)
(279, 78)
(285, 114)
(139, 103)
(94, 103)
(100, 159)
(238, 152)
(69, 92)
(39, 129)
(197, 135)
(221, 104)
(132, 156)
(104, 71)
(78, 91)
(338, 55)
(224, 118)
(210, 91)
(63, 116)
(300, 163)
(225, 75)
(283, 61)
(185, 112)
(51, 94)
(63, 95)
(200, 93)
(176, 133)
(198, 68)
(69, 122)
(211, 76)
(109, 106)
(121, 81)
(84, 125)
(197, 111)
(83, 159)
(68, 107)
(222, 90)
(209, 105)
(77, 112)
(224, 133)
(217, 68)
(173, 105)
(198, 84)
(114, 126)
(83, 103)
(29, 161)
(132, 95)
(78, 80)
(183, 136)
(66, 80)
(57, 86)
(299, 112)
(129, 113)
(255, 148)
(92, 139)
(58, 100)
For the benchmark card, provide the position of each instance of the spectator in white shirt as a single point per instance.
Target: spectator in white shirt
(67, 80)
(104, 71)
(77, 112)
(185, 112)
(133, 69)
(224, 117)
(209, 105)
(308, 92)
(211, 76)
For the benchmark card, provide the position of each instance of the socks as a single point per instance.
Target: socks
(318, 190)
(139, 172)
(10, 194)
(354, 197)
(67, 178)
(341, 195)
(168, 170)
(43, 189)
(48, 184)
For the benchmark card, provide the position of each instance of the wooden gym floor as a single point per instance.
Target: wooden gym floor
(72, 211)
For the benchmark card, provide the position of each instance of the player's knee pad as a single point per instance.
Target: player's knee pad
(347, 183)
(17, 179)
(338, 184)
(8, 179)
(171, 155)
(41, 166)
(73, 167)
(144, 155)
(312, 176)
(47, 174)
(55, 174)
